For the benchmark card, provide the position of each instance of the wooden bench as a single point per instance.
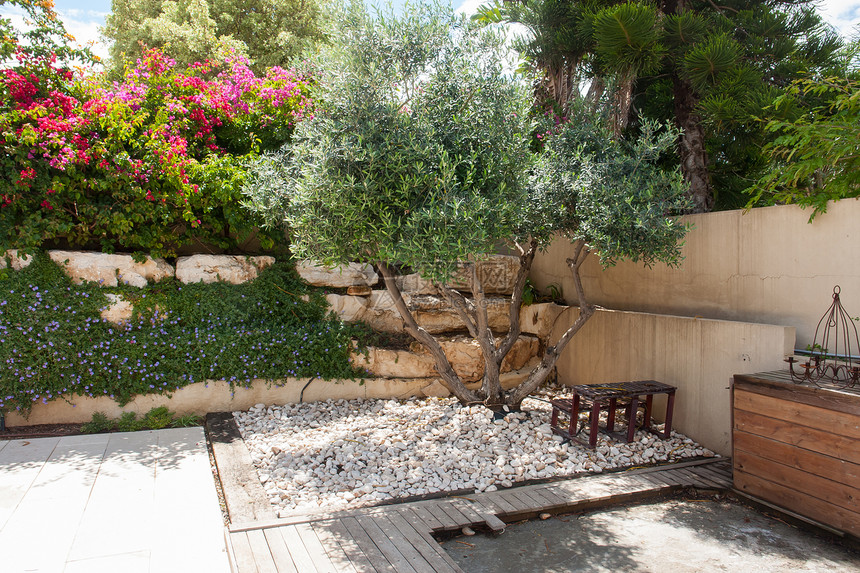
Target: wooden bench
(594, 397)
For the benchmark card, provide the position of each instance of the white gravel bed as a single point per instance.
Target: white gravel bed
(337, 454)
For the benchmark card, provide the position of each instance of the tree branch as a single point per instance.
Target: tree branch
(443, 366)
(461, 305)
(526, 259)
(552, 354)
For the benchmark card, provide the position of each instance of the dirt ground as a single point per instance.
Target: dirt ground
(673, 536)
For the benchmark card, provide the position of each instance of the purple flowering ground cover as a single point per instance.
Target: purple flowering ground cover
(54, 344)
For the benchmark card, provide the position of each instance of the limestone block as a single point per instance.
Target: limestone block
(377, 310)
(435, 389)
(437, 316)
(539, 319)
(433, 313)
(463, 353)
(110, 270)
(497, 274)
(415, 284)
(15, 261)
(118, 310)
(359, 291)
(342, 276)
(233, 269)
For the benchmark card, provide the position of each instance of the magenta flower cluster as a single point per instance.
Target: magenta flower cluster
(139, 163)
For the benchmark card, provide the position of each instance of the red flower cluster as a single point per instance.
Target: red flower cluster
(129, 161)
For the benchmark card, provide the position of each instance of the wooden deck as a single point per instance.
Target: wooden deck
(399, 538)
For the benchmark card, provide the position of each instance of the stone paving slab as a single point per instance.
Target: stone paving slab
(124, 502)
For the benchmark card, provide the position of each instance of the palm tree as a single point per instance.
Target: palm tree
(712, 68)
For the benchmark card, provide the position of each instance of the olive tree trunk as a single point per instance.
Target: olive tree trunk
(473, 313)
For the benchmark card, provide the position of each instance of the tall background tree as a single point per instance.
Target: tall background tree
(711, 67)
(268, 32)
(816, 150)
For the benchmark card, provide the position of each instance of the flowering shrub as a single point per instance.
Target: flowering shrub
(53, 342)
(149, 164)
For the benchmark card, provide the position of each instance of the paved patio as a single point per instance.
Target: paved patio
(125, 502)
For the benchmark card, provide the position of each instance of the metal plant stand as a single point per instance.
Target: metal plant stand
(834, 358)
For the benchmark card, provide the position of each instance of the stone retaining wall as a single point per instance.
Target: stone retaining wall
(393, 373)
(216, 396)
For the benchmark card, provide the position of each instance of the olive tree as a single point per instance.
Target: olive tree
(422, 156)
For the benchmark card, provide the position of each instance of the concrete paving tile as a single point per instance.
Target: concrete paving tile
(191, 531)
(3, 444)
(137, 562)
(52, 508)
(119, 515)
(85, 439)
(69, 473)
(38, 537)
(21, 461)
(143, 501)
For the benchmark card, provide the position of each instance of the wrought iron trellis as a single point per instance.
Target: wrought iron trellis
(834, 357)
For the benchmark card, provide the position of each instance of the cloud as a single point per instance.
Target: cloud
(844, 15)
(469, 7)
(82, 24)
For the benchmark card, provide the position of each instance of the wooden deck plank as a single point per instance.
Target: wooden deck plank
(717, 477)
(315, 548)
(539, 503)
(432, 552)
(448, 522)
(520, 505)
(667, 477)
(454, 512)
(386, 545)
(467, 508)
(243, 555)
(486, 505)
(262, 554)
(493, 522)
(526, 502)
(549, 499)
(443, 554)
(339, 532)
(655, 480)
(403, 536)
(337, 555)
(699, 480)
(427, 519)
(297, 549)
(246, 500)
(376, 557)
(280, 553)
(503, 505)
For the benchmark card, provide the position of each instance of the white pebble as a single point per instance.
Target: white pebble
(337, 454)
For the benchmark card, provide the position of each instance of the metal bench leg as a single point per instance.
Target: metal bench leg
(670, 407)
(631, 419)
(610, 416)
(649, 401)
(595, 420)
(574, 416)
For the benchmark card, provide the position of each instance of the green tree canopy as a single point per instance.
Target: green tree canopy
(712, 68)
(420, 158)
(268, 32)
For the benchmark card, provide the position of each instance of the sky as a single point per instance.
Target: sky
(84, 17)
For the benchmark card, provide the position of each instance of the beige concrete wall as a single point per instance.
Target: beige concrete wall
(216, 396)
(767, 265)
(699, 356)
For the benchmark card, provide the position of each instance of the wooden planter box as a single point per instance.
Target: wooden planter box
(798, 447)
